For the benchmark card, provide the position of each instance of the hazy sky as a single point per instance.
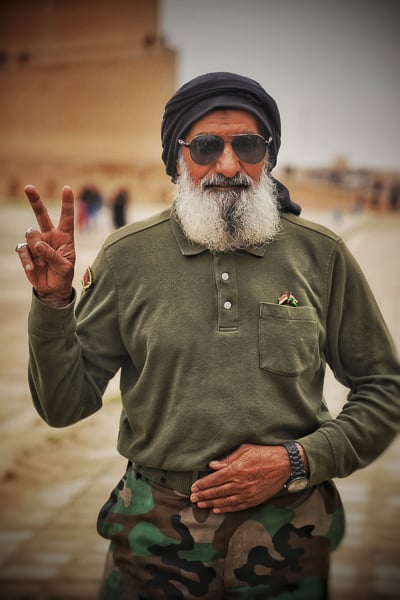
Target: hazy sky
(332, 66)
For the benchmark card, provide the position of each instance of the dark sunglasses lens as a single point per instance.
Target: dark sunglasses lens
(205, 149)
(249, 148)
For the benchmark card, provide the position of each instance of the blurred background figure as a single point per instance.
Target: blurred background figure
(81, 215)
(376, 194)
(394, 196)
(118, 208)
(90, 203)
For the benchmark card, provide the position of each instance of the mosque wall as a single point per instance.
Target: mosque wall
(84, 84)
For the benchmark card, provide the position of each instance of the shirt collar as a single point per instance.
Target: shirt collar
(189, 248)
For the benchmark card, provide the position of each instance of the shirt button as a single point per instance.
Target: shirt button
(225, 276)
(227, 305)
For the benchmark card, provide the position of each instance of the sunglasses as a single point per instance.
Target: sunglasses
(206, 148)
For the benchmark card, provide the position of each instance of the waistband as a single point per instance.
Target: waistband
(182, 481)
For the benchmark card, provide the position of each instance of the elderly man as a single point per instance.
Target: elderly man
(221, 314)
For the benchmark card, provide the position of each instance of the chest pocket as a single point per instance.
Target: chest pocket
(288, 338)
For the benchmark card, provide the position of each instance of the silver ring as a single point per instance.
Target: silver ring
(21, 245)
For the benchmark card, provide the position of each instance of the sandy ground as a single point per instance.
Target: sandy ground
(54, 481)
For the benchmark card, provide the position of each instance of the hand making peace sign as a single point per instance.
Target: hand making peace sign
(48, 255)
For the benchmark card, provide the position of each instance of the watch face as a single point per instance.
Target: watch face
(297, 485)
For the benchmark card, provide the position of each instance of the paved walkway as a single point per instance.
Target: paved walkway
(54, 481)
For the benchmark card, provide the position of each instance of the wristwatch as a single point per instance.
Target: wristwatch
(298, 478)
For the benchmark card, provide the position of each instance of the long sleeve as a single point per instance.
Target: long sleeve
(360, 351)
(70, 364)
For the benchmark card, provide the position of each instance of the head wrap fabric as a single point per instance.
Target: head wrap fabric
(220, 90)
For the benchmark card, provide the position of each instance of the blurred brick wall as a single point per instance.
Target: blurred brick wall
(84, 84)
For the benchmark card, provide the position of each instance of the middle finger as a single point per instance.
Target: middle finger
(66, 222)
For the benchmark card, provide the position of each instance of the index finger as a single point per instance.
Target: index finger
(66, 223)
(213, 480)
(41, 214)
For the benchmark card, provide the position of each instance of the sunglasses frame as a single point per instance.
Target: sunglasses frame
(225, 141)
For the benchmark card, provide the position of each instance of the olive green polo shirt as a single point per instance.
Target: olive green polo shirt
(210, 360)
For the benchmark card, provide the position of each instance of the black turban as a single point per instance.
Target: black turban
(214, 91)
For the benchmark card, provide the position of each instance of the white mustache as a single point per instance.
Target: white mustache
(218, 180)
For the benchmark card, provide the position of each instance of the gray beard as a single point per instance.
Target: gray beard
(242, 217)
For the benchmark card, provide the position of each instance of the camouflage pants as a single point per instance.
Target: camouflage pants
(163, 546)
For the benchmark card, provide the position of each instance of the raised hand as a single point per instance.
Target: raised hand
(48, 255)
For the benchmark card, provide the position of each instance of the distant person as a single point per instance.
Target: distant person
(92, 199)
(394, 196)
(222, 314)
(118, 208)
(376, 196)
(82, 215)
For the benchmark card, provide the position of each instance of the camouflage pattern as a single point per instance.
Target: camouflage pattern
(163, 546)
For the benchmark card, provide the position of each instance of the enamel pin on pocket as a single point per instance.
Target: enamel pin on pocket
(288, 298)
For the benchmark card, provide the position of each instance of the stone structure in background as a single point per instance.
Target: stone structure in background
(83, 88)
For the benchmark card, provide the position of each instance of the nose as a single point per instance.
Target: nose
(228, 163)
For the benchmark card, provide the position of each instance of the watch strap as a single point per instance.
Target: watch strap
(296, 464)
